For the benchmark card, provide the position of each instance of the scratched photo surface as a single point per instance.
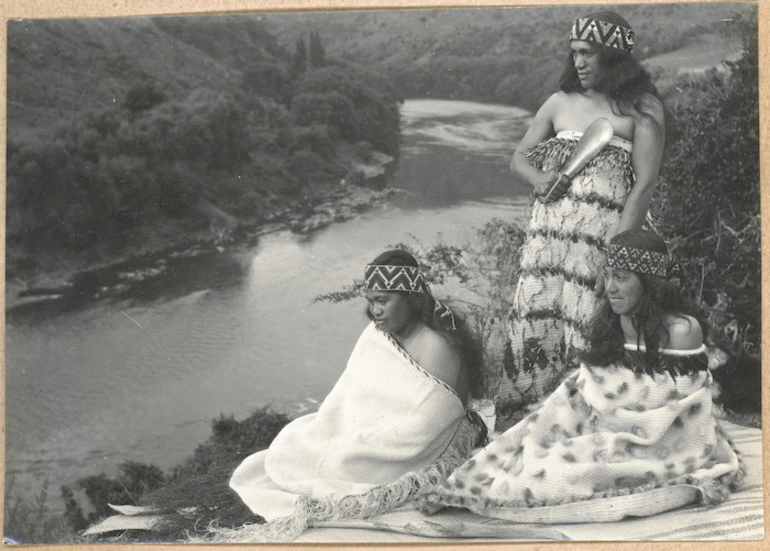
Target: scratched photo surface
(192, 199)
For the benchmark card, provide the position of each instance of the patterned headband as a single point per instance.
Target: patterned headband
(407, 279)
(641, 261)
(603, 33)
(393, 278)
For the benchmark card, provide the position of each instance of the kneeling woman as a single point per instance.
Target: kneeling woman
(631, 432)
(395, 420)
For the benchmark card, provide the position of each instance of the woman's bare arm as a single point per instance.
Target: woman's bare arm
(540, 129)
(649, 140)
(684, 333)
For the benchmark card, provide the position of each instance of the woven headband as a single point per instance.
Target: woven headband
(407, 279)
(393, 278)
(641, 261)
(603, 33)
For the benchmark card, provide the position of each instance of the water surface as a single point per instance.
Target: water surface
(141, 381)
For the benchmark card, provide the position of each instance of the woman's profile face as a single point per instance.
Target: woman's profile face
(390, 310)
(585, 57)
(624, 290)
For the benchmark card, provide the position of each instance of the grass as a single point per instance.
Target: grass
(33, 521)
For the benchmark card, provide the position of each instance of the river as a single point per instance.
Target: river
(90, 389)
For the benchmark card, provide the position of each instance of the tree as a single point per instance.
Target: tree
(268, 79)
(316, 50)
(143, 97)
(299, 61)
(331, 109)
(132, 481)
(375, 109)
(708, 203)
(486, 268)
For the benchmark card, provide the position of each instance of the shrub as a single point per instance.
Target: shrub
(375, 115)
(313, 138)
(130, 484)
(200, 480)
(487, 269)
(331, 109)
(708, 199)
(33, 522)
(363, 150)
(268, 80)
(231, 441)
(143, 97)
(305, 166)
(207, 129)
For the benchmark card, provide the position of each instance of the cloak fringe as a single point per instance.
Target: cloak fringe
(378, 500)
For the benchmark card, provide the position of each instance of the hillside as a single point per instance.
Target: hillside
(134, 134)
(507, 55)
(704, 52)
(59, 68)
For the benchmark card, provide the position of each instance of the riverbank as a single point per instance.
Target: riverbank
(324, 204)
(111, 381)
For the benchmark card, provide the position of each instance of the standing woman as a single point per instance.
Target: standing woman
(556, 293)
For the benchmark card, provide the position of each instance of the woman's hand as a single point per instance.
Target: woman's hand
(544, 181)
(649, 139)
(540, 129)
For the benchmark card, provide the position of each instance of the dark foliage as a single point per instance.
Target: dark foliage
(197, 493)
(232, 440)
(317, 51)
(194, 493)
(299, 59)
(739, 381)
(101, 183)
(360, 104)
(143, 97)
(33, 520)
(708, 202)
(132, 482)
(193, 503)
(268, 80)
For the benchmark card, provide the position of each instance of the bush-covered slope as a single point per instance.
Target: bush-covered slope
(137, 133)
(509, 55)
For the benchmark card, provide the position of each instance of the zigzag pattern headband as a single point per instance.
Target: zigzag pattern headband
(407, 279)
(393, 278)
(641, 261)
(603, 33)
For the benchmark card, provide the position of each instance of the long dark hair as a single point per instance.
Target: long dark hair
(461, 340)
(625, 80)
(660, 298)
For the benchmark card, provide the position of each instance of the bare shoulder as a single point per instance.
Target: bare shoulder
(437, 357)
(556, 100)
(550, 106)
(652, 110)
(684, 333)
(541, 127)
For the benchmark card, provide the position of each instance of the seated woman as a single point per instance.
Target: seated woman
(631, 432)
(394, 421)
